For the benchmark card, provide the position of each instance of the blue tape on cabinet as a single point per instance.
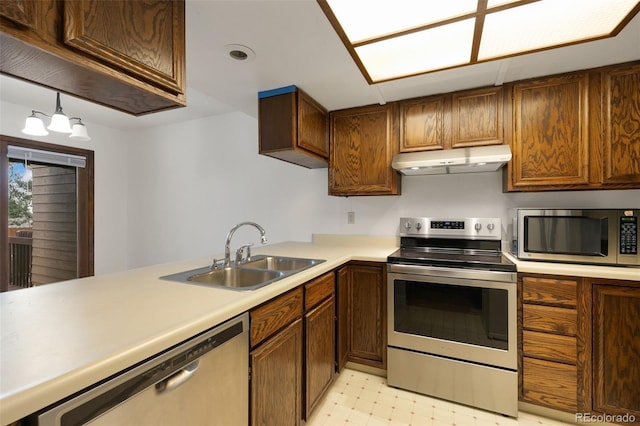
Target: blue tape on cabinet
(275, 92)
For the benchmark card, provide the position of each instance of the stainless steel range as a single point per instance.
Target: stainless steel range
(452, 313)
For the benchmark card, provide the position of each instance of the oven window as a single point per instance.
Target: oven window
(478, 316)
(575, 235)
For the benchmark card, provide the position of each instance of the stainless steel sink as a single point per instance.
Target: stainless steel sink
(237, 277)
(276, 263)
(257, 272)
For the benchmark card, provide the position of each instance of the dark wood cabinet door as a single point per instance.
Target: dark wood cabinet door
(616, 349)
(367, 314)
(477, 117)
(313, 126)
(276, 379)
(551, 133)
(363, 142)
(621, 126)
(143, 37)
(424, 124)
(320, 352)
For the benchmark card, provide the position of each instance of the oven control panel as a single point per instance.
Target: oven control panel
(469, 228)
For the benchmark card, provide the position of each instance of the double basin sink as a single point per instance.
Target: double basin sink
(257, 272)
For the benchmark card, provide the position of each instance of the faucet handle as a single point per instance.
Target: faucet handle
(215, 264)
(240, 252)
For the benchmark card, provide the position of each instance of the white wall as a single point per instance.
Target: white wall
(190, 183)
(111, 171)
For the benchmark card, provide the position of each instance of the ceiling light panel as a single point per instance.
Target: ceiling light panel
(369, 19)
(401, 38)
(549, 23)
(436, 48)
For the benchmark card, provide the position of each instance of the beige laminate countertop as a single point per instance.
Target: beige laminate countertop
(58, 339)
(577, 270)
(61, 338)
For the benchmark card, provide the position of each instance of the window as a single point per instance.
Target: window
(46, 213)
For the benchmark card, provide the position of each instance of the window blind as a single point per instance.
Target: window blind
(49, 157)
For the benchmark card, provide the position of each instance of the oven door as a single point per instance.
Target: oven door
(463, 314)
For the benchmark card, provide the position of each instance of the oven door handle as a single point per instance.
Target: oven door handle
(438, 271)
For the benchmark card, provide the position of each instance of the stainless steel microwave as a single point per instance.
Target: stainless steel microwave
(593, 236)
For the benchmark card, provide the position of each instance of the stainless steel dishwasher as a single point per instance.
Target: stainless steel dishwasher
(202, 381)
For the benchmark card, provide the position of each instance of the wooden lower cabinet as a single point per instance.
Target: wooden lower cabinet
(292, 358)
(552, 384)
(616, 347)
(320, 352)
(579, 349)
(362, 316)
(548, 342)
(276, 379)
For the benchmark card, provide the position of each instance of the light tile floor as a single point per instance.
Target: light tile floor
(361, 399)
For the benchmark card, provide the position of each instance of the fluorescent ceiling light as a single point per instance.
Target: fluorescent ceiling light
(547, 24)
(367, 19)
(395, 39)
(415, 53)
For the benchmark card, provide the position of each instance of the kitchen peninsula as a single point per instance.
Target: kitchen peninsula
(61, 338)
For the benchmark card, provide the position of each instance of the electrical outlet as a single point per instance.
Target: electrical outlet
(351, 218)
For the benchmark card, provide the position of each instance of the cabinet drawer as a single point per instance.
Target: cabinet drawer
(274, 315)
(549, 291)
(318, 289)
(549, 346)
(549, 319)
(550, 383)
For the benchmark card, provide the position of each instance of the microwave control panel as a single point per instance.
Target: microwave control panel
(629, 235)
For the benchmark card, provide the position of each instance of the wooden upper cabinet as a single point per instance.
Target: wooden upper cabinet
(551, 133)
(148, 41)
(423, 125)
(21, 12)
(127, 55)
(294, 128)
(363, 143)
(477, 117)
(452, 120)
(621, 125)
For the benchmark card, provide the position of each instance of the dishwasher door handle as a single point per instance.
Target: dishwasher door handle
(177, 379)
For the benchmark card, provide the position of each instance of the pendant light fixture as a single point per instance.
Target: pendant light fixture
(59, 123)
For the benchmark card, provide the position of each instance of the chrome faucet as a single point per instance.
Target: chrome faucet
(227, 249)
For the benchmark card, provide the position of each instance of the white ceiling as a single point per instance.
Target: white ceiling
(294, 43)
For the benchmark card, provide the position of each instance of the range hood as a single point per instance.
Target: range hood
(451, 161)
